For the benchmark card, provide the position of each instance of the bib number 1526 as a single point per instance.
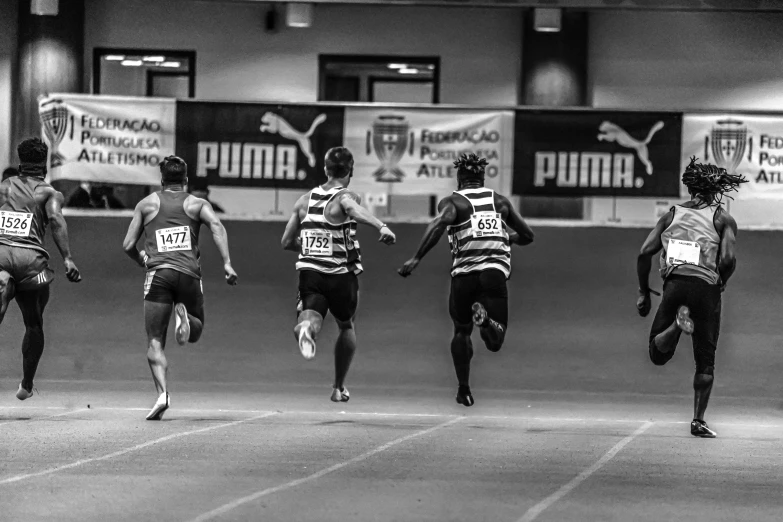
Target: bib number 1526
(173, 239)
(15, 223)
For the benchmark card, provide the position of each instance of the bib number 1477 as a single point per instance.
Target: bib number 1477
(173, 239)
(486, 224)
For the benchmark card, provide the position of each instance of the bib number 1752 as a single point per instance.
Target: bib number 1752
(173, 239)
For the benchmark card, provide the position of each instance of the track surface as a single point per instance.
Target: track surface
(571, 421)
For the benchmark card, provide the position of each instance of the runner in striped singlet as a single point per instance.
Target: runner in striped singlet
(171, 220)
(696, 241)
(478, 222)
(28, 204)
(322, 229)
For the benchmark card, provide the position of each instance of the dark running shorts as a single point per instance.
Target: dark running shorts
(487, 287)
(336, 293)
(28, 267)
(704, 302)
(169, 286)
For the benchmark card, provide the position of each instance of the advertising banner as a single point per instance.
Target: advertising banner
(412, 151)
(107, 138)
(257, 145)
(598, 153)
(742, 144)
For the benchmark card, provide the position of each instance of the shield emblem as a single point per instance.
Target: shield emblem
(389, 141)
(729, 139)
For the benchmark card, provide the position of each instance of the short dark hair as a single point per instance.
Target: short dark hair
(173, 169)
(470, 166)
(32, 150)
(338, 162)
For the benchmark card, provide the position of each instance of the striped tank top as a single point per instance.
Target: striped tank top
(691, 244)
(326, 247)
(481, 242)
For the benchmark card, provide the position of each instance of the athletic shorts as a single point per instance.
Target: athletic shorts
(28, 267)
(487, 287)
(704, 302)
(336, 293)
(169, 286)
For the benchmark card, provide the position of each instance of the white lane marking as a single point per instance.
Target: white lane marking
(48, 416)
(137, 447)
(364, 456)
(539, 508)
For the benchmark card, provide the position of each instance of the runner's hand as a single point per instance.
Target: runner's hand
(387, 236)
(143, 257)
(643, 303)
(231, 276)
(408, 267)
(71, 272)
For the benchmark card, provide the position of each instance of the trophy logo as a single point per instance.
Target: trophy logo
(389, 138)
(728, 141)
(54, 122)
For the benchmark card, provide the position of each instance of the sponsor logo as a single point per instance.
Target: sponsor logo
(598, 169)
(389, 138)
(728, 141)
(261, 160)
(54, 118)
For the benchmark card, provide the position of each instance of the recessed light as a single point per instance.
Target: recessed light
(114, 57)
(397, 66)
(131, 63)
(154, 58)
(169, 64)
(409, 71)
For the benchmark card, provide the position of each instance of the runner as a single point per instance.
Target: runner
(477, 220)
(697, 259)
(170, 220)
(27, 205)
(322, 228)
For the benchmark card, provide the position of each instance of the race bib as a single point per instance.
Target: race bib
(683, 252)
(486, 224)
(173, 239)
(15, 223)
(316, 243)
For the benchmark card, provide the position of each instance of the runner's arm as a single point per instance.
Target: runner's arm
(652, 245)
(352, 207)
(134, 233)
(291, 240)
(436, 228)
(524, 234)
(54, 210)
(727, 259)
(208, 217)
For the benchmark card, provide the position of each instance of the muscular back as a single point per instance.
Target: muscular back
(26, 195)
(334, 211)
(465, 209)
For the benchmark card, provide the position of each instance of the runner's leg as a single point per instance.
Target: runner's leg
(32, 304)
(494, 299)
(344, 350)
(7, 291)
(156, 322)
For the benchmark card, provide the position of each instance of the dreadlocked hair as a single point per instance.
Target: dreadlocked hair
(470, 166)
(710, 182)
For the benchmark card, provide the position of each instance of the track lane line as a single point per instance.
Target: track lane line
(539, 508)
(71, 412)
(225, 508)
(50, 471)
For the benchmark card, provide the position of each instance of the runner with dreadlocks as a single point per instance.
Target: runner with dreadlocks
(477, 220)
(697, 242)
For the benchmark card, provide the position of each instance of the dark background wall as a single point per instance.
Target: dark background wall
(573, 321)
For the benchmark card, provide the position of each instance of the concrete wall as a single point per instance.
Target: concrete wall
(8, 23)
(238, 60)
(681, 61)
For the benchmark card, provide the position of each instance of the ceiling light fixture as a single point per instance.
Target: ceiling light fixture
(547, 20)
(170, 64)
(114, 57)
(409, 71)
(154, 58)
(299, 15)
(131, 63)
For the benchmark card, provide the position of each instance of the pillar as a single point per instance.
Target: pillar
(50, 58)
(554, 74)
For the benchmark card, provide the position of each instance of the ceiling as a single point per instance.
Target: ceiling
(656, 5)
